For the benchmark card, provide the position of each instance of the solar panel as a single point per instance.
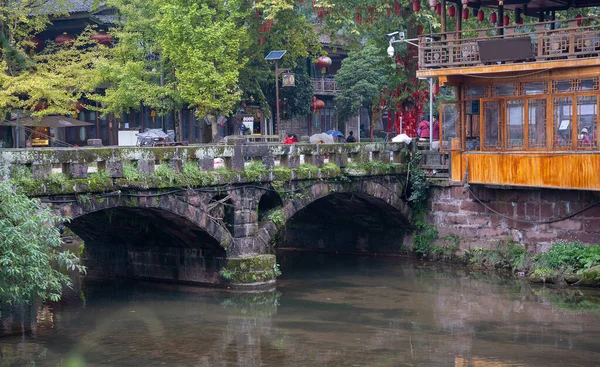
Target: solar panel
(275, 55)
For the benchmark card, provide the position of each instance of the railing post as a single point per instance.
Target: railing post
(114, 168)
(236, 162)
(75, 170)
(40, 170)
(207, 163)
(146, 166)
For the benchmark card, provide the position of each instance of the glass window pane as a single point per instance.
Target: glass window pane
(562, 86)
(515, 123)
(450, 127)
(185, 126)
(563, 114)
(588, 85)
(534, 88)
(587, 115)
(507, 89)
(537, 123)
(82, 134)
(476, 91)
(491, 140)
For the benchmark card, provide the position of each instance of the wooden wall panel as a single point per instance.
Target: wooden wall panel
(565, 170)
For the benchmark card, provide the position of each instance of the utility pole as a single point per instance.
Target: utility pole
(276, 97)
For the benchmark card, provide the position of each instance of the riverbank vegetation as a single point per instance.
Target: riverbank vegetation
(565, 262)
(32, 265)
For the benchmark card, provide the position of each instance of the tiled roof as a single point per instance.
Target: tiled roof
(72, 6)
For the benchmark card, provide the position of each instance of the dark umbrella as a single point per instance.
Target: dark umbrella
(335, 133)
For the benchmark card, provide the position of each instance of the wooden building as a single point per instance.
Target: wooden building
(526, 95)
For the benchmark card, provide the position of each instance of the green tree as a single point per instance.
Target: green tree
(280, 27)
(29, 245)
(361, 80)
(175, 53)
(53, 81)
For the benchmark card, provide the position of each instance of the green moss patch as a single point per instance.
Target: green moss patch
(244, 270)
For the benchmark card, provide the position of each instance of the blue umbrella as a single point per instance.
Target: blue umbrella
(335, 133)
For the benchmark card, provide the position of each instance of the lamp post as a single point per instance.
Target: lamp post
(396, 37)
(276, 56)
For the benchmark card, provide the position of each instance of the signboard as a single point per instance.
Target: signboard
(289, 80)
(248, 121)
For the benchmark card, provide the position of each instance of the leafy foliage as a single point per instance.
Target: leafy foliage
(361, 79)
(53, 81)
(568, 255)
(29, 245)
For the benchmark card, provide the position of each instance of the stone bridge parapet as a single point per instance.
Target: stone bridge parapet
(176, 214)
(112, 168)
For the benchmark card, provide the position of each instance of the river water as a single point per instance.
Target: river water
(327, 311)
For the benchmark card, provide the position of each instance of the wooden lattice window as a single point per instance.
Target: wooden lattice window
(564, 86)
(563, 119)
(505, 89)
(587, 118)
(491, 124)
(515, 123)
(536, 112)
(533, 88)
(451, 134)
(588, 85)
(476, 91)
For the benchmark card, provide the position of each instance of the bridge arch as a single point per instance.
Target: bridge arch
(192, 209)
(374, 204)
(165, 237)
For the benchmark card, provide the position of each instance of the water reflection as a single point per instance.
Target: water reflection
(327, 310)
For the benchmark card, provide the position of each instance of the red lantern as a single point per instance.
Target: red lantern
(438, 9)
(436, 89)
(397, 8)
(269, 24)
(323, 62)
(520, 20)
(465, 14)
(420, 29)
(79, 106)
(34, 43)
(102, 38)
(480, 15)
(432, 3)
(506, 20)
(451, 11)
(416, 6)
(64, 39)
(493, 18)
(317, 105)
(579, 21)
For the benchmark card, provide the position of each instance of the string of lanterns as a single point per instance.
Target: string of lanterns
(437, 7)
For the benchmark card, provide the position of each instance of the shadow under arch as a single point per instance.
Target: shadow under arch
(363, 217)
(148, 243)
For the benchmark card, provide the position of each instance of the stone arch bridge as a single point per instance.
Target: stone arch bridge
(176, 214)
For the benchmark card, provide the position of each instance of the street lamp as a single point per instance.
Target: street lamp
(276, 56)
(396, 37)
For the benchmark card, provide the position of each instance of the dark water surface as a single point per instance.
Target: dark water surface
(327, 311)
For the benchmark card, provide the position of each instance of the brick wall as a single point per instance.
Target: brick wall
(456, 211)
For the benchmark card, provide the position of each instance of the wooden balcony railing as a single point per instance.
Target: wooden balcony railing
(325, 86)
(557, 40)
